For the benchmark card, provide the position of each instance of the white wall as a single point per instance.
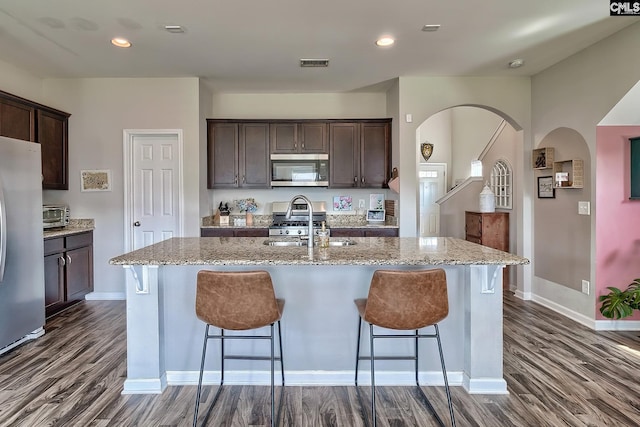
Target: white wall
(472, 129)
(425, 96)
(101, 109)
(205, 111)
(20, 82)
(353, 105)
(437, 130)
(577, 93)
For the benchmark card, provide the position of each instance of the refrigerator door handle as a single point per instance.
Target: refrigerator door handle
(3, 231)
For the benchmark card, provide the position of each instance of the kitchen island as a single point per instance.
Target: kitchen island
(319, 324)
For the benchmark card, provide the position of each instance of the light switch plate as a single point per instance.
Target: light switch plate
(361, 204)
(584, 208)
(585, 287)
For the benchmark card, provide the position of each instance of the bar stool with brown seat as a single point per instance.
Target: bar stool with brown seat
(238, 301)
(404, 300)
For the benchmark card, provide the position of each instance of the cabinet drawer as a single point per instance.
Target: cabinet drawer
(216, 232)
(251, 232)
(51, 246)
(381, 232)
(79, 240)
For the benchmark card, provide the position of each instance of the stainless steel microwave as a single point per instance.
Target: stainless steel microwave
(299, 170)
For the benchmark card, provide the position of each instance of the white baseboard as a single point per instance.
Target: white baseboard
(485, 385)
(525, 296)
(597, 325)
(314, 378)
(142, 386)
(105, 296)
(617, 325)
(573, 315)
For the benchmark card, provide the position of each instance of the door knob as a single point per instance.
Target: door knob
(136, 224)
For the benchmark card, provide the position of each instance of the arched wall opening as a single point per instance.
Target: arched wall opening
(460, 134)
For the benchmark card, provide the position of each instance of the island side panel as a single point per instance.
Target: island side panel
(146, 373)
(319, 328)
(483, 330)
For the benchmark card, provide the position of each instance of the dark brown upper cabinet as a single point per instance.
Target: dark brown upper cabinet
(17, 120)
(237, 154)
(298, 137)
(360, 154)
(53, 138)
(30, 121)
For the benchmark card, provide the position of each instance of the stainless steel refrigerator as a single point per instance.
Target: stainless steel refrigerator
(21, 244)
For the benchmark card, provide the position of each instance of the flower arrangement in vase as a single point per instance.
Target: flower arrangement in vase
(248, 206)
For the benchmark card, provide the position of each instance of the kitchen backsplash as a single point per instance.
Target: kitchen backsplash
(266, 220)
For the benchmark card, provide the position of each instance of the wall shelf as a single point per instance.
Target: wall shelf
(575, 170)
(542, 158)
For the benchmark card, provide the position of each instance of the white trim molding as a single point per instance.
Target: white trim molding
(105, 296)
(573, 315)
(617, 325)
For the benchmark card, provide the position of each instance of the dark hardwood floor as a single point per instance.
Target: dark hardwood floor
(559, 373)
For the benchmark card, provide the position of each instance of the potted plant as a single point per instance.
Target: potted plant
(618, 304)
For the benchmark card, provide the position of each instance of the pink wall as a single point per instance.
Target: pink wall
(617, 217)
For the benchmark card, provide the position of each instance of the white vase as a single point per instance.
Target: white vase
(487, 200)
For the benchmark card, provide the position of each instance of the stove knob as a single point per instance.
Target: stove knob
(299, 231)
(286, 232)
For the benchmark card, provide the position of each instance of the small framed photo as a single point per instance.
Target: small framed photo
(545, 187)
(342, 203)
(376, 201)
(95, 180)
(375, 215)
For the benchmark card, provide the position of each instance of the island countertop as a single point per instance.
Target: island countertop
(366, 251)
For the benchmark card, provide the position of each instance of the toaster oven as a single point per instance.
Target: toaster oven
(54, 216)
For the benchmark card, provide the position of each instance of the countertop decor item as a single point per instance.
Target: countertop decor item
(487, 199)
(394, 182)
(426, 149)
(246, 205)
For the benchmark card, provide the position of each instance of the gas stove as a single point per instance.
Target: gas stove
(297, 224)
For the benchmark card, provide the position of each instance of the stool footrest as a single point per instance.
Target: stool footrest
(239, 357)
(387, 358)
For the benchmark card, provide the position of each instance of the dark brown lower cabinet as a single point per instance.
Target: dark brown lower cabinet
(234, 232)
(68, 270)
(364, 232)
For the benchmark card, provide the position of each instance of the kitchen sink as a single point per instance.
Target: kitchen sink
(273, 242)
(285, 243)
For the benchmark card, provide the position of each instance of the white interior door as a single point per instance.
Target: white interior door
(432, 184)
(155, 187)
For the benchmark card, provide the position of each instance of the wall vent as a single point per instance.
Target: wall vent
(314, 62)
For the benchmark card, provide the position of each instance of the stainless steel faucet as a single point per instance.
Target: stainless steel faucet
(309, 209)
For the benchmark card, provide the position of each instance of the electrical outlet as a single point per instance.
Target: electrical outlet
(361, 204)
(585, 287)
(584, 208)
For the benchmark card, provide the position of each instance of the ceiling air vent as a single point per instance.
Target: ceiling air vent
(314, 62)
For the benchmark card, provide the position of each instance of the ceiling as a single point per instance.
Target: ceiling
(254, 46)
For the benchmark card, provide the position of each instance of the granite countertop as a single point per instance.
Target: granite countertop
(333, 221)
(75, 226)
(366, 251)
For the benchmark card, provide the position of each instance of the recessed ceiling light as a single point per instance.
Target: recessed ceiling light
(516, 63)
(431, 27)
(385, 41)
(120, 42)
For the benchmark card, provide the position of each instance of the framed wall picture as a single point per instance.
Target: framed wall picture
(95, 180)
(545, 187)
